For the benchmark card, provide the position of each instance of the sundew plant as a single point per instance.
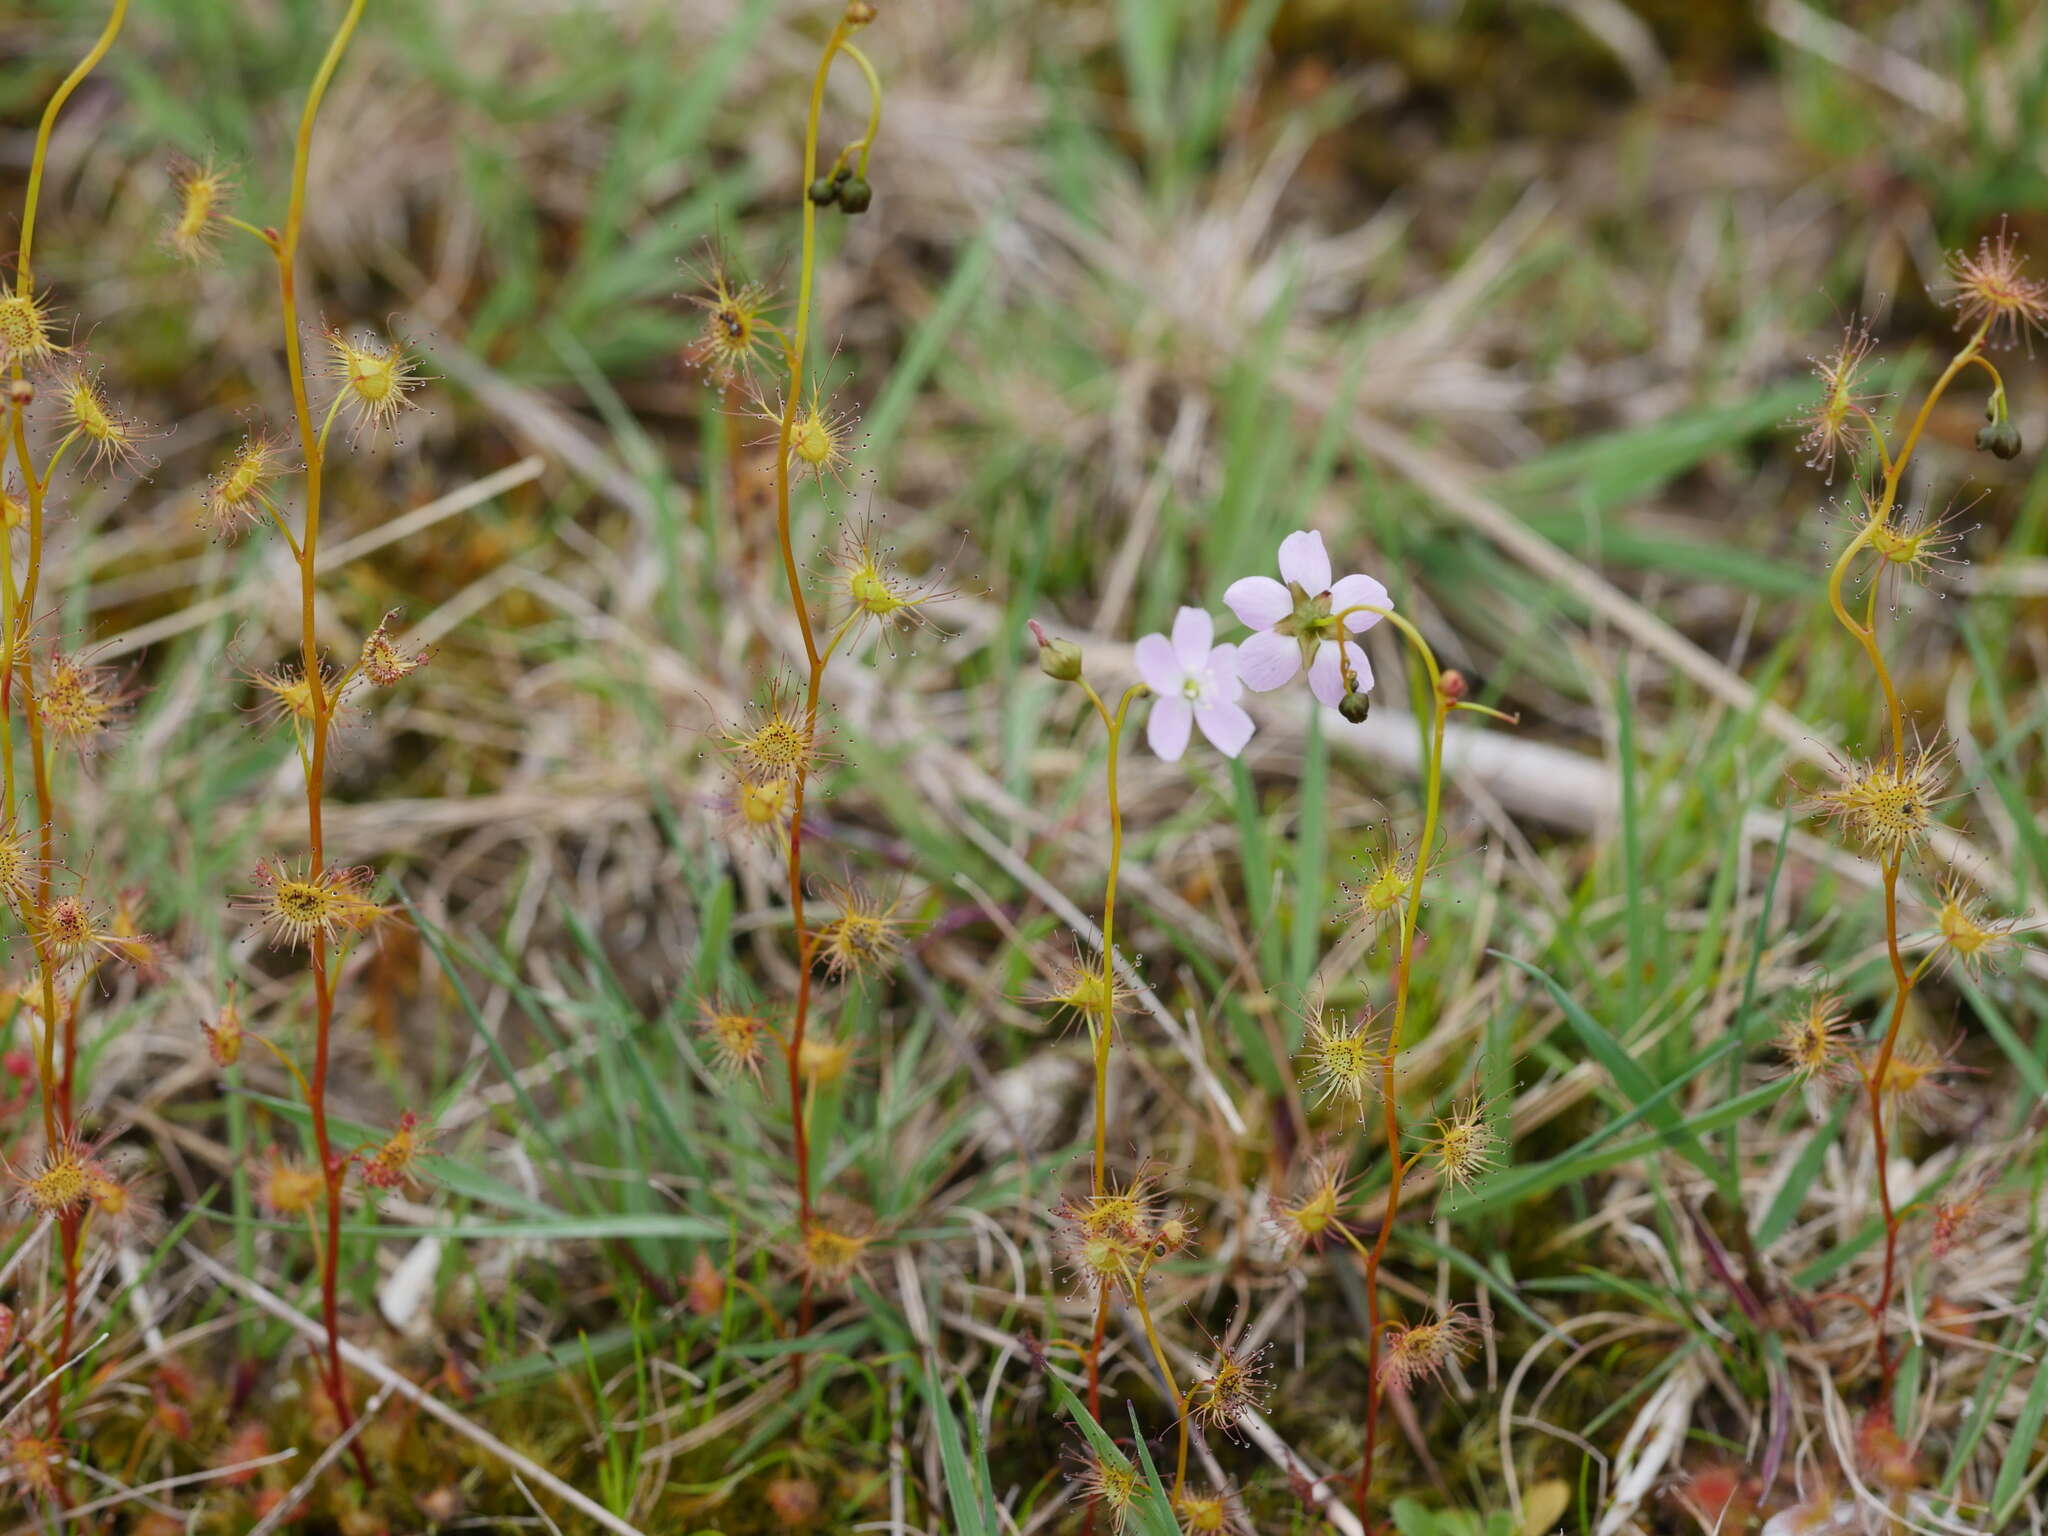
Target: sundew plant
(309, 901)
(56, 705)
(1022, 771)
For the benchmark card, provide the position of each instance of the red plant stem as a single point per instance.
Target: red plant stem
(334, 1169)
(1865, 634)
(58, 1117)
(1881, 1146)
(1392, 1130)
(800, 1134)
(1440, 711)
(800, 1019)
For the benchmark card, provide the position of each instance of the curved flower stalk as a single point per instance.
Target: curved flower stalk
(1348, 1060)
(311, 903)
(1888, 804)
(1093, 992)
(775, 754)
(64, 701)
(1196, 684)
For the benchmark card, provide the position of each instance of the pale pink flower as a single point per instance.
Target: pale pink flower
(1197, 684)
(1294, 620)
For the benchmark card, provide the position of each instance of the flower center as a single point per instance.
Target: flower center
(1311, 622)
(812, 440)
(373, 377)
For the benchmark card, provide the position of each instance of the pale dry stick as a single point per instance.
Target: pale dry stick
(1626, 35)
(552, 431)
(963, 1047)
(288, 1505)
(949, 776)
(773, 1389)
(534, 1504)
(1257, 1429)
(482, 1101)
(162, 1485)
(1447, 312)
(1055, 902)
(330, 560)
(1905, 79)
(1652, 1439)
(51, 1376)
(2010, 576)
(1175, 461)
(1449, 484)
(128, 1260)
(899, 1456)
(179, 575)
(1558, 1334)
(21, 1254)
(373, 1366)
(1842, 1437)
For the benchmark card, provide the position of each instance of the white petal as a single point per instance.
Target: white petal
(1326, 678)
(1193, 632)
(1157, 665)
(1267, 661)
(1353, 590)
(1227, 726)
(1305, 562)
(1167, 730)
(1224, 685)
(1259, 602)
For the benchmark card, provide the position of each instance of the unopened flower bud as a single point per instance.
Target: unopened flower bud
(1454, 686)
(859, 13)
(1059, 660)
(823, 191)
(855, 196)
(2000, 438)
(20, 394)
(1354, 706)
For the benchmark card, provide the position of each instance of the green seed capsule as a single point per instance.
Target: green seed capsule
(2000, 438)
(1060, 660)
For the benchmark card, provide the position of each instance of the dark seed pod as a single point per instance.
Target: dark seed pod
(2000, 438)
(1354, 706)
(855, 196)
(823, 191)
